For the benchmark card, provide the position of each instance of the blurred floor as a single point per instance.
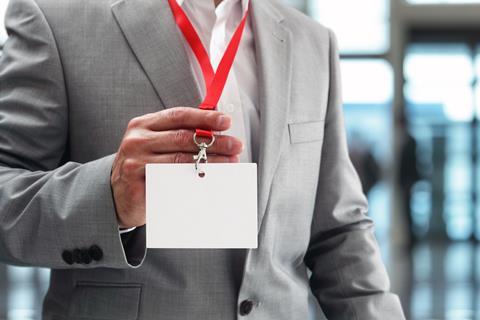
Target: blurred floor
(21, 292)
(436, 280)
(439, 280)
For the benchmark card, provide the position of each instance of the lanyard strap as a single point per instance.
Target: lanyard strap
(214, 81)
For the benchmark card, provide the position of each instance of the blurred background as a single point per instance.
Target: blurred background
(411, 71)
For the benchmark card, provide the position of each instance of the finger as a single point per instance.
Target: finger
(185, 157)
(182, 141)
(186, 118)
(180, 157)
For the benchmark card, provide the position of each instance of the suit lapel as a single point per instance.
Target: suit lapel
(152, 34)
(273, 54)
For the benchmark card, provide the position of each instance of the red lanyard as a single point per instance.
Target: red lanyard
(214, 81)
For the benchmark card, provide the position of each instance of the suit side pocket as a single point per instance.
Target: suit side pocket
(96, 300)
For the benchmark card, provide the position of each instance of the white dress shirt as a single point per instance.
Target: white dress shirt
(215, 27)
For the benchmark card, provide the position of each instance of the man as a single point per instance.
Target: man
(90, 92)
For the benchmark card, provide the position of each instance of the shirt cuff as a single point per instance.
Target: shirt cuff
(122, 231)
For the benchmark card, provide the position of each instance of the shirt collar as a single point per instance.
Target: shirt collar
(244, 2)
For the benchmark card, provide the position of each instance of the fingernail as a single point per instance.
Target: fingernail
(223, 121)
(234, 159)
(229, 144)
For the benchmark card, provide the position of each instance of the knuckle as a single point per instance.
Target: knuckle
(135, 122)
(131, 142)
(130, 165)
(210, 117)
(182, 138)
(180, 157)
(147, 135)
(177, 115)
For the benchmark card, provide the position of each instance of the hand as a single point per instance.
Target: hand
(163, 137)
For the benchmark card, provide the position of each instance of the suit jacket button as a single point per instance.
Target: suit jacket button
(86, 257)
(77, 256)
(67, 256)
(96, 253)
(246, 307)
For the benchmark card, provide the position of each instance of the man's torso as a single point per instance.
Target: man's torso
(121, 60)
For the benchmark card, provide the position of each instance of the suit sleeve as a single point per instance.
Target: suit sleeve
(348, 277)
(53, 213)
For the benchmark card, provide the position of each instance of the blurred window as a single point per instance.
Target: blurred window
(361, 26)
(477, 85)
(367, 94)
(438, 83)
(440, 96)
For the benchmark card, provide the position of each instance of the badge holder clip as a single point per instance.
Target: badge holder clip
(202, 153)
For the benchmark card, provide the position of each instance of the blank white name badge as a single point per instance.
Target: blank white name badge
(218, 210)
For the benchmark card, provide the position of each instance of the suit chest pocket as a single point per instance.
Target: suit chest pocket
(303, 132)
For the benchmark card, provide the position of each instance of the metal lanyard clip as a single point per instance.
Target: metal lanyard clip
(202, 153)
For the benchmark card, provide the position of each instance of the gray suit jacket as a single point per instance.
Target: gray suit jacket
(72, 75)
